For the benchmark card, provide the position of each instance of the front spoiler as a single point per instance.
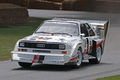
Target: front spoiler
(28, 57)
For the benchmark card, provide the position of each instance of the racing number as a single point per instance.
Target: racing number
(89, 44)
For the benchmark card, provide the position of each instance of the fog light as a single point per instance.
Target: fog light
(19, 49)
(64, 52)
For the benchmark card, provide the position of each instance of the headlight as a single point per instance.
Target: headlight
(21, 44)
(61, 46)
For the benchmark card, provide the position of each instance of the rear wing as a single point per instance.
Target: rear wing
(101, 27)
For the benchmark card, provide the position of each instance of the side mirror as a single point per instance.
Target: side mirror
(82, 35)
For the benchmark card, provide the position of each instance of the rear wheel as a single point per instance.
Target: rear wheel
(98, 56)
(25, 65)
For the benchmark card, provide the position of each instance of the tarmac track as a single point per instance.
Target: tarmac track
(110, 64)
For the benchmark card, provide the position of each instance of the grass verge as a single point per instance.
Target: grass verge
(117, 77)
(10, 33)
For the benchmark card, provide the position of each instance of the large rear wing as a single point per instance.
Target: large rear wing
(100, 26)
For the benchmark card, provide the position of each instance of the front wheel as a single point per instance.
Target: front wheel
(98, 56)
(25, 65)
(79, 59)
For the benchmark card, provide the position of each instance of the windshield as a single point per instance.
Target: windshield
(59, 28)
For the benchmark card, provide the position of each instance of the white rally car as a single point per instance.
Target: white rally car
(60, 42)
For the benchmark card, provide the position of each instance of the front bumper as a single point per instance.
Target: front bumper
(55, 59)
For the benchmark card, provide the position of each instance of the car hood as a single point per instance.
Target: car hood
(50, 38)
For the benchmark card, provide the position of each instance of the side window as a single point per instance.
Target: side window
(90, 31)
(84, 30)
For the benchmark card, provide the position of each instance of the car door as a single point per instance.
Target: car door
(86, 37)
(92, 36)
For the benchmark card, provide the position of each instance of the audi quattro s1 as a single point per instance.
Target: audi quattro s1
(60, 42)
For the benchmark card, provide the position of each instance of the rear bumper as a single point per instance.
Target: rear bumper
(55, 59)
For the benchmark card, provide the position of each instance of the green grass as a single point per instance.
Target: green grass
(117, 77)
(10, 33)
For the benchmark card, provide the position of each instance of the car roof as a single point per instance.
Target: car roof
(66, 20)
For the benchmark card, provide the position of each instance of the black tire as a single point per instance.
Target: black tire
(25, 65)
(98, 56)
(78, 62)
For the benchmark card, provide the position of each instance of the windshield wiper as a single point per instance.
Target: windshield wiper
(55, 33)
(44, 32)
(63, 33)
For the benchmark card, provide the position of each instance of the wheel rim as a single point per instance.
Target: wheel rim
(98, 53)
(79, 58)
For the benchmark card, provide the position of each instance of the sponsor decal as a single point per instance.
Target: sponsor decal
(91, 47)
(99, 44)
(50, 35)
(84, 52)
(74, 58)
(44, 38)
(35, 57)
(40, 38)
(41, 45)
